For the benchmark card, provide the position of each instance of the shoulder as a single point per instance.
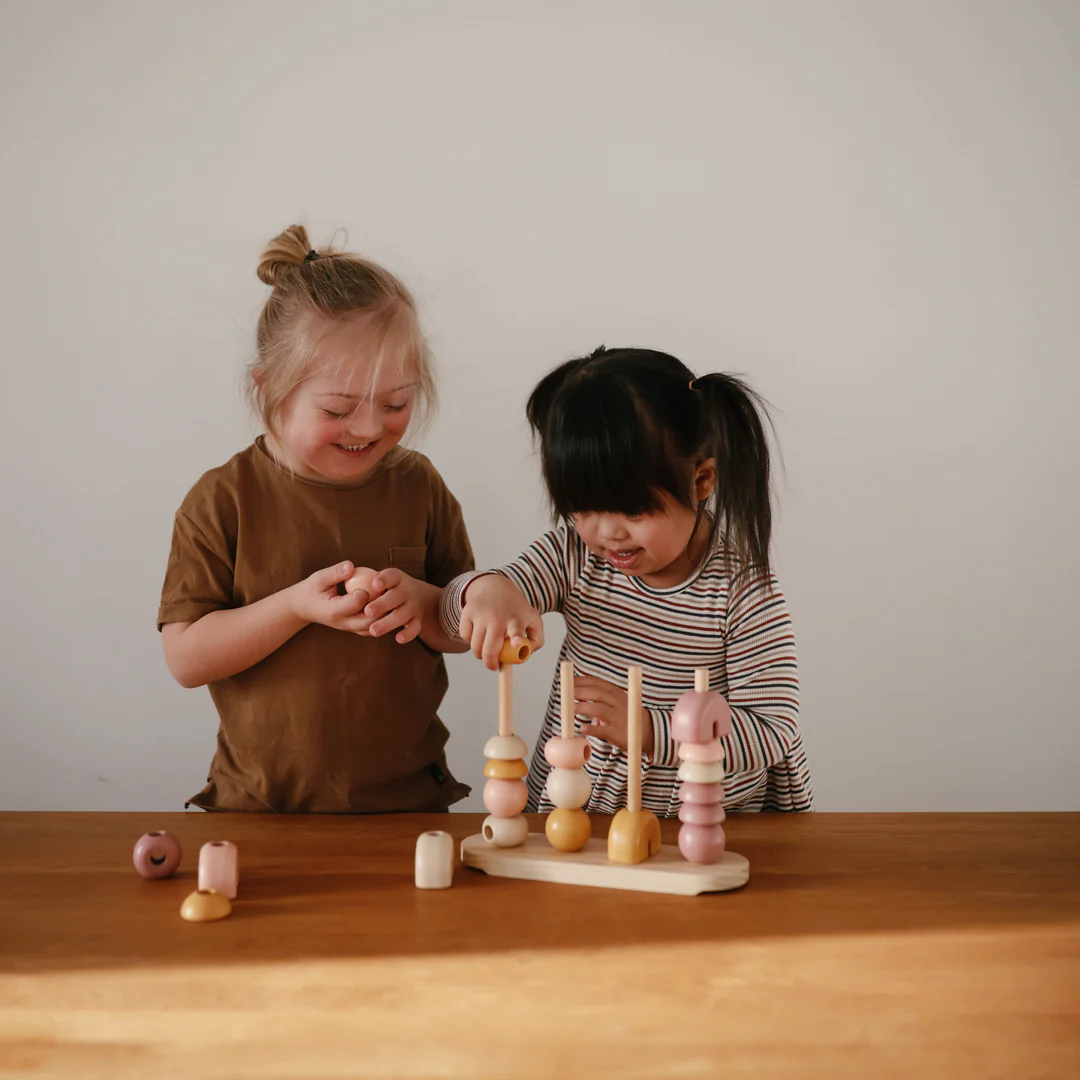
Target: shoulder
(414, 471)
(215, 496)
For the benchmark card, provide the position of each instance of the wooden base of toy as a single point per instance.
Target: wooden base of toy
(668, 872)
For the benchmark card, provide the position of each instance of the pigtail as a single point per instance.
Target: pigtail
(539, 406)
(733, 431)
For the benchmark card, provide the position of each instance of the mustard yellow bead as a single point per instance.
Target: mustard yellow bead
(206, 905)
(633, 836)
(505, 770)
(568, 830)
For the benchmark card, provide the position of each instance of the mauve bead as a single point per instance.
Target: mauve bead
(701, 843)
(706, 752)
(157, 855)
(700, 716)
(567, 753)
(702, 794)
(219, 868)
(702, 813)
(505, 798)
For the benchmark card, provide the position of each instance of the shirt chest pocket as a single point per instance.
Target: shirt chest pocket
(410, 560)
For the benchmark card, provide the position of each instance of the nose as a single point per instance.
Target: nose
(611, 528)
(363, 424)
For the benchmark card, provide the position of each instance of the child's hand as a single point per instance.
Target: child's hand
(494, 611)
(399, 600)
(607, 707)
(316, 600)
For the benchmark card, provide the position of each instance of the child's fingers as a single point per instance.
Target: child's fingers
(534, 630)
(383, 604)
(347, 606)
(493, 643)
(398, 617)
(465, 627)
(590, 688)
(409, 630)
(327, 579)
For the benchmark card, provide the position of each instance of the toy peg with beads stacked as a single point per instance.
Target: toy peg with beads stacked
(568, 785)
(701, 717)
(634, 834)
(505, 792)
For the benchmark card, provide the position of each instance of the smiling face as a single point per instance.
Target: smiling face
(351, 410)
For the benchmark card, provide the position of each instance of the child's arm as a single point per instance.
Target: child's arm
(226, 642)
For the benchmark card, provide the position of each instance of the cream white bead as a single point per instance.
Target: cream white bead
(505, 747)
(434, 860)
(700, 772)
(505, 831)
(569, 789)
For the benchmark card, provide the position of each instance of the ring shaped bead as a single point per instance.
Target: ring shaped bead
(505, 747)
(567, 753)
(704, 752)
(700, 772)
(505, 832)
(702, 794)
(497, 769)
(157, 855)
(701, 813)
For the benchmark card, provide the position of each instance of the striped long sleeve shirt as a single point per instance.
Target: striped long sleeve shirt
(740, 631)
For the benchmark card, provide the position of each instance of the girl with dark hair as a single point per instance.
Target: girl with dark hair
(660, 483)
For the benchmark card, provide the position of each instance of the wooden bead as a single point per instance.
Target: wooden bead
(497, 769)
(157, 855)
(361, 580)
(701, 813)
(505, 747)
(700, 716)
(567, 753)
(701, 794)
(206, 905)
(700, 772)
(706, 752)
(505, 831)
(505, 798)
(510, 654)
(219, 868)
(568, 788)
(701, 843)
(434, 860)
(633, 836)
(568, 830)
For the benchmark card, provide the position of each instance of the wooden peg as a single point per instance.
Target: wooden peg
(634, 834)
(566, 698)
(633, 740)
(701, 679)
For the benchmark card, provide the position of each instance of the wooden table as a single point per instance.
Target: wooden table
(864, 946)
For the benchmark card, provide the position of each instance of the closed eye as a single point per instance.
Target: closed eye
(335, 415)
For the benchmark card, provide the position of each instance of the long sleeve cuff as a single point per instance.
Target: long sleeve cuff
(453, 601)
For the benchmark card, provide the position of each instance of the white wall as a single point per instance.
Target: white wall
(870, 209)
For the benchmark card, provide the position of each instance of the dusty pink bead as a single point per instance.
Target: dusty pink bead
(702, 794)
(701, 843)
(702, 813)
(707, 753)
(219, 868)
(567, 753)
(505, 798)
(157, 855)
(700, 716)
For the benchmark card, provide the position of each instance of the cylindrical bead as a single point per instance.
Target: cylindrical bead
(508, 654)
(505, 747)
(505, 831)
(434, 860)
(569, 789)
(706, 752)
(157, 855)
(700, 772)
(219, 868)
(702, 794)
(701, 843)
(505, 798)
(497, 769)
(567, 753)
(568, 829)
(701, 813)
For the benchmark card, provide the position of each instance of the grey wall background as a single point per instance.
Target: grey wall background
(868, 208)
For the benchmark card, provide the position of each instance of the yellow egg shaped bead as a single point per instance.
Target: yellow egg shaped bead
(206, 905)
(505, 770)
(568, 830)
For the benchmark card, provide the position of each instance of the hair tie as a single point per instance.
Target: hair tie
(311, 256)
(696, 389)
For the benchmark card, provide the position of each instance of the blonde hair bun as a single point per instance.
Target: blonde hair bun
(285, 252)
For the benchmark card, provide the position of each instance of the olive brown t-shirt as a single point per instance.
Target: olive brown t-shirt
(330, 721)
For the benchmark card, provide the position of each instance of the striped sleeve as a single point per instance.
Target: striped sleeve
(542, 573)
(665, 749)
(763, 678)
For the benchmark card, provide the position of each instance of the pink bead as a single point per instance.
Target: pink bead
(702, 813)
(157, 855)
(702, 794)
(219, 868)
(701, 843)
(699, 716)
(505, 798)
(707, 753)
(567, 753)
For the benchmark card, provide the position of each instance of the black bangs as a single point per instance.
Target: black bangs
(601, 453)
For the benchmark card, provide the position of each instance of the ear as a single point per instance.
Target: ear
(705, 479)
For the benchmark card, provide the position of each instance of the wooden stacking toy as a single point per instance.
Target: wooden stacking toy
(634, 834)
(701, 717)
(568, 784)
(505, 792)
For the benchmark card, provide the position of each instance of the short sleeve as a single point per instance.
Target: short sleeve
(199, 577)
